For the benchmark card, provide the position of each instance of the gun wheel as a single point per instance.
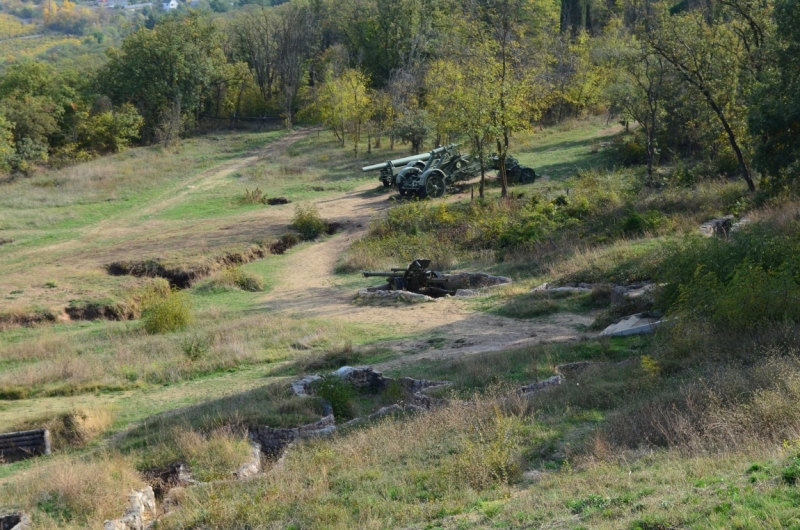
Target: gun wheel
(527, 176)
(434, 187)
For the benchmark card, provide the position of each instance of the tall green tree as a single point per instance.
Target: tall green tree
(707, 53)
(774, 118)
(175, 63)
(639, 89)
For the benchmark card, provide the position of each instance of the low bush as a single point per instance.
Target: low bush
(236, 278)
(738, 285)
(308, 222)
(338, 393)
(166, 312)
(254, 197)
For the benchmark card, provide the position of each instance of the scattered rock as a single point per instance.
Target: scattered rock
(164, 479)
(420, 401)
(719, 227)
(302, 387)
(465, 293)
(405, 296)
(744, 221)
(538, 386)
(571, 369)
(418, 385)
(639, 324)
(363, 377)
(252, 467)
(141, 510)
(474, 280)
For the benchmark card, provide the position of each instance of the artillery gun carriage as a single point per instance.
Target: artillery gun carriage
(416, 278)
(430, 174)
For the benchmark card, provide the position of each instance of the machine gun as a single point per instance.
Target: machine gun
(416, 278)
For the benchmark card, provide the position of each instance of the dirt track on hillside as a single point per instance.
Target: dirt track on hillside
(307, 287)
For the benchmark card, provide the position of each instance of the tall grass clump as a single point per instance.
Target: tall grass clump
(719, 408)
(308, 222)
(166, 312)
(73, 493)
(399, 472)
(235, 278)
(212, 455)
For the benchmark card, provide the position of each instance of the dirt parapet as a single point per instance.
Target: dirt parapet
(27, 317)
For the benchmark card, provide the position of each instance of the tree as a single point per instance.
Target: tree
(707, 56)
(176, 63)
(470, 100)
(515, 83)
(639, 91)
(255, 42)
(413, 126)
(35, 120)
(344, 105)
(6, 144)
(774, 118)
(111, 130)
(293, 35)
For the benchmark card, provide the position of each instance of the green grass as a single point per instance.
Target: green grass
(559, 152)
(594, 449)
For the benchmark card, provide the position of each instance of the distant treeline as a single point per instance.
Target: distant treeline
(711, 81)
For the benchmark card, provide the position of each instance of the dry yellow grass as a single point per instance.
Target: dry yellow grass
(73, 493)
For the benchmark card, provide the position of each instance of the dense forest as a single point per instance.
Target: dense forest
(710, 85)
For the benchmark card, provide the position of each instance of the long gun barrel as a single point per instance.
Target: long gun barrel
(369, 274)
(406, 160)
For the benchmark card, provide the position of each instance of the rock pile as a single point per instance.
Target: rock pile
(474, 280)
(618, 292)
(141, 512)
(273, 441)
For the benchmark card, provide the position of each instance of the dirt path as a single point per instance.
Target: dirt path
(446, 328)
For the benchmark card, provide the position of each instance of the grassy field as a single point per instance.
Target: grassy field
(695, 427)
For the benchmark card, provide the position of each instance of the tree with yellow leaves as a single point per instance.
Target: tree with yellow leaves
(345, 105)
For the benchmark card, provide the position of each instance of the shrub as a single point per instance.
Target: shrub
(236, 277)
(166, 313)
(338, 393)
(629, 150)
(738, 284)
(254, 197)
(308, 222)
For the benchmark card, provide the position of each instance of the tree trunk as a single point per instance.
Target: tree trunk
(501, 169)
(732, 139)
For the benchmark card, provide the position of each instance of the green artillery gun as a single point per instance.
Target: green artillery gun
(514, 171)
(416, 278)
(430, 174)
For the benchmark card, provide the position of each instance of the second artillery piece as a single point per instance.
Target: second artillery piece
(416, 278)
(429, 174)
